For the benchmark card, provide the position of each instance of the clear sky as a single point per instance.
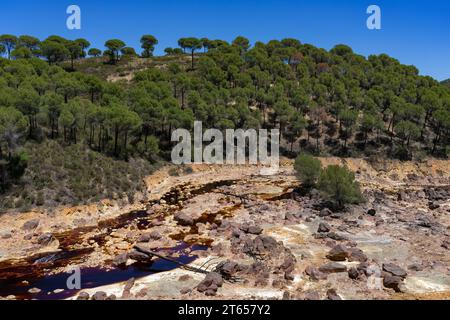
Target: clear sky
(414, 31)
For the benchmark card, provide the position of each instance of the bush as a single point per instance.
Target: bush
(338, 185)
(308, 169)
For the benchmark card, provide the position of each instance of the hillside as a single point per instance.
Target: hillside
(121, 109)
(446, 82)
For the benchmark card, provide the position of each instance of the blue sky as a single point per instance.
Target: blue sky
(414, 31)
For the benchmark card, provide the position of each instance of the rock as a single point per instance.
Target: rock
(394, 270)
(5, 235)
(261, 245)
(212, 282)
(147, 237)
(34, 290)
(256, 230)
(325, 212)
(433, 206)
(333, 267)
(278, 284)
(357, 255)
(184, 219)
(392, 282)
(138, 256)
(286, 295)
(126, 293)
(446, 244)
(30, 225)
(315, 274)
(324, 228)
(185, 290)
(402, 196)
(372, 212)
(339, 253)
(99, 296)
(353, 273)
(112, 297)
(120, 260)
(227, 269)
(415, 267)
(28, 237)
(45, 239)
(311, 295)
(336, 236)
(83, 296)
(424, 222)
(184, 278)
(332, 295)
(288, 265)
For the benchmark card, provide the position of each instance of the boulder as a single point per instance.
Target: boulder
(325, 212)
(333, 267)
(394, 270)
(311, 295)
(45, 239)
(393, 282)
(212, 282)
(5, 235)
(31, 225)
(138, 256)
(120, 260)
(372, 212)
(83, 296)
(261, 245)
(353, 273)
(126, 293)
(256, 230)
(184, 219)
(315, 274)
(228, 268)
(324, 227)
(339, 253)
(332, 295)
(357, 255)
(99, 296)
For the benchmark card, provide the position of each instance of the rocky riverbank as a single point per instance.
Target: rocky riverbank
(256, 235)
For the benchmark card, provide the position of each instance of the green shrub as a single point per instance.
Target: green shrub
(338, 185)
(308, 169)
